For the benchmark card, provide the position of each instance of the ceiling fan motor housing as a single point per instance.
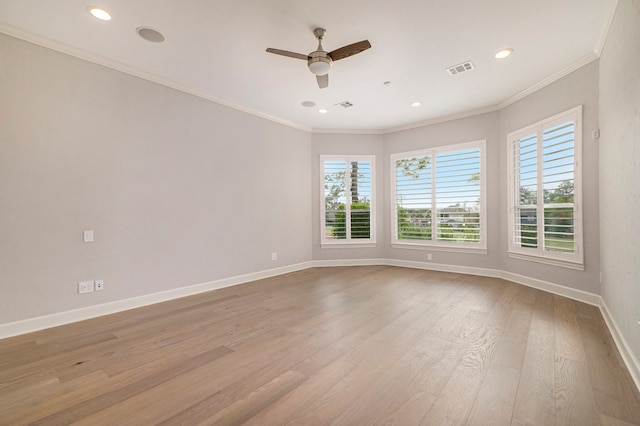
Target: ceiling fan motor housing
(319, 62)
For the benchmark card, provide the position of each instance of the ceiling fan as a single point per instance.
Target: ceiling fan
(319, 61)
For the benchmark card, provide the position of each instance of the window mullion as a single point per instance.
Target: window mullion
(347, 204)
(434, 208)
(540, 194)
(514, 178)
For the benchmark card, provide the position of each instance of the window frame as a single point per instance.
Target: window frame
(460, 247)
(348, 241)
(539, 254)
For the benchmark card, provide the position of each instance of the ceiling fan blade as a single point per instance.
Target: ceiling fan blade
(323, 81)
(350, 50)
(287, 53)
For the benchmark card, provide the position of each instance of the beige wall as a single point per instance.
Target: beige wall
(177, 189)
(620, 171)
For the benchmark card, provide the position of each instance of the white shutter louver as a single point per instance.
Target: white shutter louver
(347, 214)
(458, 195)
(413, 195)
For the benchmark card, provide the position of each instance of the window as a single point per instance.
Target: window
(544, 191)
(348, 214)
(438, 197)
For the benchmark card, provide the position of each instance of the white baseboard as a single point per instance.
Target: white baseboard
(53, 320)
(347, 262)
(442, 267)
(61, 318)
(571, 293)
(623, 347)
(560, 290)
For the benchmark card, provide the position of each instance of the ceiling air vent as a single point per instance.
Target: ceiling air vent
(343, 105)
(457, 69)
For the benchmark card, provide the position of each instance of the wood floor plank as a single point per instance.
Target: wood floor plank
(201, 406)
(347, 345)
(575, 401)
(535, 400)
(343, 394)
(612, 421)
(495, 400)
(613, 392)
(281, 411)
(206, 383)
(374, 400)
(83, 409)
(454, 403)
(243, 409)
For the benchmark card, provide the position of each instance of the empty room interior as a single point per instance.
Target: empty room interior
(340, 212)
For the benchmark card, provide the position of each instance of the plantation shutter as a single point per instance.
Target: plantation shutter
(413, 198)
(558, 158)
(526, 209)
(458, 195)
(348, 191)
(335, 199)
(438, 197)
(360, 193)
(544, 161)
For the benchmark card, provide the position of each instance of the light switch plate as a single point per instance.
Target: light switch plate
(88, 236)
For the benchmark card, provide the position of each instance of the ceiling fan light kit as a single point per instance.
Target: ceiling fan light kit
(319, 61)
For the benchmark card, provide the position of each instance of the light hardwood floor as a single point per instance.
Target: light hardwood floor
(353, 346)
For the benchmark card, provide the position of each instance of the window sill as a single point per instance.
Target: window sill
(578, 266)
(468, 250)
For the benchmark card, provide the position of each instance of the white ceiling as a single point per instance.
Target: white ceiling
(216, 49)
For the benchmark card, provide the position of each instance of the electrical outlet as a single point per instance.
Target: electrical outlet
(85, 287)
(274, 256)
(99, 285)
(87, 236)
(429, 256)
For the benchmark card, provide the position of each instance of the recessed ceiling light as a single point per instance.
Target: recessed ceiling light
(323, 110)
(150, 34)
(503, 53)
(308, 104)
(387, 83)
(416, 104)
(101, 14)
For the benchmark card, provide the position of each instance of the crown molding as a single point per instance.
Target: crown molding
(115, 65)
(349, 131)
(100, 60)
(442, 119)
(586, 59)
